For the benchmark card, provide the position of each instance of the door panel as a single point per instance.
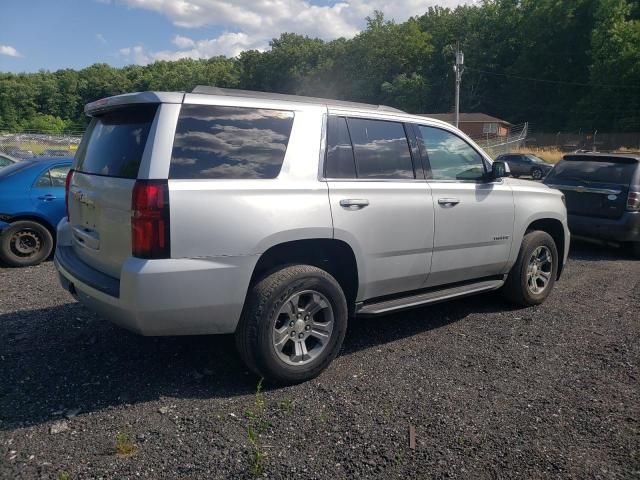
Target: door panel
(392, 235)
(47, 195)
(472, 237)
(473, 215)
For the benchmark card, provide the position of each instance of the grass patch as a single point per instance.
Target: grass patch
(124, 445)
(286, 405)
(257, 425)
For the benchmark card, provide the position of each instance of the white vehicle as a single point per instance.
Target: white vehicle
(278, 217)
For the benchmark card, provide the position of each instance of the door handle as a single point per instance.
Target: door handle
(47, 198)
(449, 201)
(355, 203)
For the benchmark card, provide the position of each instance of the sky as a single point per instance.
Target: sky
(55, 34)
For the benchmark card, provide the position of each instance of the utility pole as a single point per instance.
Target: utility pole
(459, 69)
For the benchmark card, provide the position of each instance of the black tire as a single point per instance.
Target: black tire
(25, 243)
(254, 338)
(536, 174)
(516, 289)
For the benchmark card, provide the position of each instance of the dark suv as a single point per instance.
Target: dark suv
(602, 194)
(525, 164)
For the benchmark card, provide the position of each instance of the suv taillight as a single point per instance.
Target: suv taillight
(633, 201)
(150, 219)
(67, 184)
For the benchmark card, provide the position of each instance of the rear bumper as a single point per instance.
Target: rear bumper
(162, 297)
(623, 229)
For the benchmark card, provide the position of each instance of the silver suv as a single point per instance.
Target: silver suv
(279, 217)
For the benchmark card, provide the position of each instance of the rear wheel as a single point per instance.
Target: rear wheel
(532, 277)
(293, 324)
(536, 174)
(25, 243)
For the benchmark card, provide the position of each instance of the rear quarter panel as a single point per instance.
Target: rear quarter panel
(227, 217)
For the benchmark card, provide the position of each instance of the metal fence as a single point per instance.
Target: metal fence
(592, 141)
(495, 145)
(30, 144)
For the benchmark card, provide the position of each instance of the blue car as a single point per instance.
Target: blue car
(32, 202)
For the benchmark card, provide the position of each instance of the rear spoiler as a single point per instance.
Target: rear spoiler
(109, 103)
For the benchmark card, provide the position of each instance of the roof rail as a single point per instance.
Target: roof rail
(232, 92)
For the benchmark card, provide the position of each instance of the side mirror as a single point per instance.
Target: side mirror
(499, 170)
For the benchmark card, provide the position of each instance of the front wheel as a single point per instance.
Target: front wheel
(293, 324)
(25, 243)
(533, 275)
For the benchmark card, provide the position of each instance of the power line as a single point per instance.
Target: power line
(559, 82)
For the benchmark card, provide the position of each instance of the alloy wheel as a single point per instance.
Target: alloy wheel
(303, 327)
(539, 270)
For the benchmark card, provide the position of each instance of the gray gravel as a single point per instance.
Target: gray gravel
(492, 392)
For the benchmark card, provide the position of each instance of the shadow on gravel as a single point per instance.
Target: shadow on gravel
(584, 250)
(63, 358)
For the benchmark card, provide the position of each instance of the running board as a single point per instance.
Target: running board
(434, 296)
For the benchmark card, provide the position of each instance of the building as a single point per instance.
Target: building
(476, 125)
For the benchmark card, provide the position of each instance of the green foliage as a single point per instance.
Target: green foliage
(257, 425)
(124, 445)
(585, 55)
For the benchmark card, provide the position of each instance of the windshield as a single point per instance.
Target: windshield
(114, 143)
(593, 171)
(14, 168)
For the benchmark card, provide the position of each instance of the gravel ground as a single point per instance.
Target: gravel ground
(490, 391)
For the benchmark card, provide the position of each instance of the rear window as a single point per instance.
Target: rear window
(114, 142)
(620, 173)
(229, 142)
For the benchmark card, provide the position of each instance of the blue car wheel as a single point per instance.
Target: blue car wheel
(25, 243)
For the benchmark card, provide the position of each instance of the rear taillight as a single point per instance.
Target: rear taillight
(150, 219)
(633, 201)
(67, 185)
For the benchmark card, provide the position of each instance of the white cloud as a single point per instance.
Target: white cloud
(253, 23)
(136, 54)
(9, 51)
(101, 39)
(183, 42)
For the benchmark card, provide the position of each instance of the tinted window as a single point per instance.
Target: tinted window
(340, 161)
(381, 149)
(593, 171)
(114, 143)
(450, 157)
(59, 176)
(230, 142)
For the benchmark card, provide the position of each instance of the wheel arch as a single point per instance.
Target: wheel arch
(334, 256)
(34, 218)
(555, 229)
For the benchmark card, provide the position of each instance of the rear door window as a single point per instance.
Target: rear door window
(114, 142)
(59, 176)
(340, 160)
(381, 149)
(219, 142)
(618, 172)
